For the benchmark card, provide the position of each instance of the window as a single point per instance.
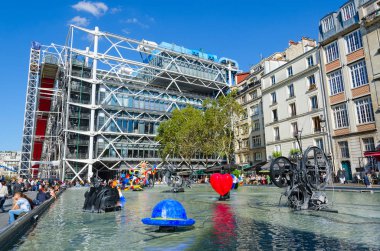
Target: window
(353, 41)
(294, 128)
(364, 110)
(255, 110)
(327, 24)
(332, 52)
(319, 143)
(292, 109)
(274, 115)
(311, 81)
(314, 102)
(245, 114)
(316, 124)
(348, 11)
(254, 94)
(335, 82)
(290, 71)
(245, 143)
(256, 141)
(340, 116)
(257, 156)
(359, 74)
(273, 80)
(295, 145)
(344, 151)
(276, 132)
(240, 146)
(291, 90)
(369, 144)
(244, 99)
(274, 98)
(277, 148)
(256, 125)
(310, 61)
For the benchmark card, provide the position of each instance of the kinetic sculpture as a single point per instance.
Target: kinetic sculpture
(168, 215)
(222, 184)
(101, 199)
(304, 178)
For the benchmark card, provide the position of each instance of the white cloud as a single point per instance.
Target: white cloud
(97, 9)
(137, 22)
(126, 31)
(79, 21)
(115, 10)
(132, 21)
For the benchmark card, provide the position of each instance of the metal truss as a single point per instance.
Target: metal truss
(30, 107)
(119, 68)
(43, 57)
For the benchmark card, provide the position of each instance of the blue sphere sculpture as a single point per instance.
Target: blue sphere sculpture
(169, 213)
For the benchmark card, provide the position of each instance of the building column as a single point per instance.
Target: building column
(93, 105)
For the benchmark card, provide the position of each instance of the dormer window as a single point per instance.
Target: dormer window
(327, 24)
(348, 11)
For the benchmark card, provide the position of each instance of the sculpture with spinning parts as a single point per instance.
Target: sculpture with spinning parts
(305, 178)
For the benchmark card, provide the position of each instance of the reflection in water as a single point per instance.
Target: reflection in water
(224, 225)
(251, 220)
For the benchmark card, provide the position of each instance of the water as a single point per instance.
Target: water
(251, 220)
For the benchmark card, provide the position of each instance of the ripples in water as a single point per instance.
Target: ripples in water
(252, 220)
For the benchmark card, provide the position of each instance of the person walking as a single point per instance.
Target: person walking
(3, 195)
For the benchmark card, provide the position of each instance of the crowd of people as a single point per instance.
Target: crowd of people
(18, 188)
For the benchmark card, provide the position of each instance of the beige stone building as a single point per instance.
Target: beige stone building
(369, 14)
(249, 132)
(350, 95)
(292, 99)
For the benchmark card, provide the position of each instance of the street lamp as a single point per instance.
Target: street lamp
(322, 123)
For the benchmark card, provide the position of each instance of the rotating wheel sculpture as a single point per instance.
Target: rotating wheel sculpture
(304, 179)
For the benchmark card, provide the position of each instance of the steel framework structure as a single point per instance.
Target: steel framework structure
(110, 98)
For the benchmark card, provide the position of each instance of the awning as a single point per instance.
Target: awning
(375, 154)
(219, 168)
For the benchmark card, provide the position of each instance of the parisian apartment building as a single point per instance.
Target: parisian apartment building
(350, 66)
(249, 132)
(10, 159)
(292, 99)
(327, 92)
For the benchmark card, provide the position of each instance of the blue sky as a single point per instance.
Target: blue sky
(241, 30)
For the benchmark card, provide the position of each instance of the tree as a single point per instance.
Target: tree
(180, 135)
(210, 131)
(226, 111)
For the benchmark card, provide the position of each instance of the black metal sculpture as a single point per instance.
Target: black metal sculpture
(101, 199)
(304, 177)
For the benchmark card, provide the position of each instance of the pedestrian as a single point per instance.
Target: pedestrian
(366, 180)
(18, 186)
(3, 195)
(20, 205)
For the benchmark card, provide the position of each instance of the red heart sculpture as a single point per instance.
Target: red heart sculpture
(221, 183)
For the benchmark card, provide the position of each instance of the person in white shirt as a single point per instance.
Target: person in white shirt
(3, 195)
(21, 205)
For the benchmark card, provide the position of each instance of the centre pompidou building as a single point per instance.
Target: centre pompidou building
(104, 98)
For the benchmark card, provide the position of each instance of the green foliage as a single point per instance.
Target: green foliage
(236, 172)
(294, 151)
(209, 131)
(181, 135)
(276, 154)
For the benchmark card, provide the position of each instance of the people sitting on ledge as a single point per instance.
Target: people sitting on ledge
(20, 205)
(41, 196)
